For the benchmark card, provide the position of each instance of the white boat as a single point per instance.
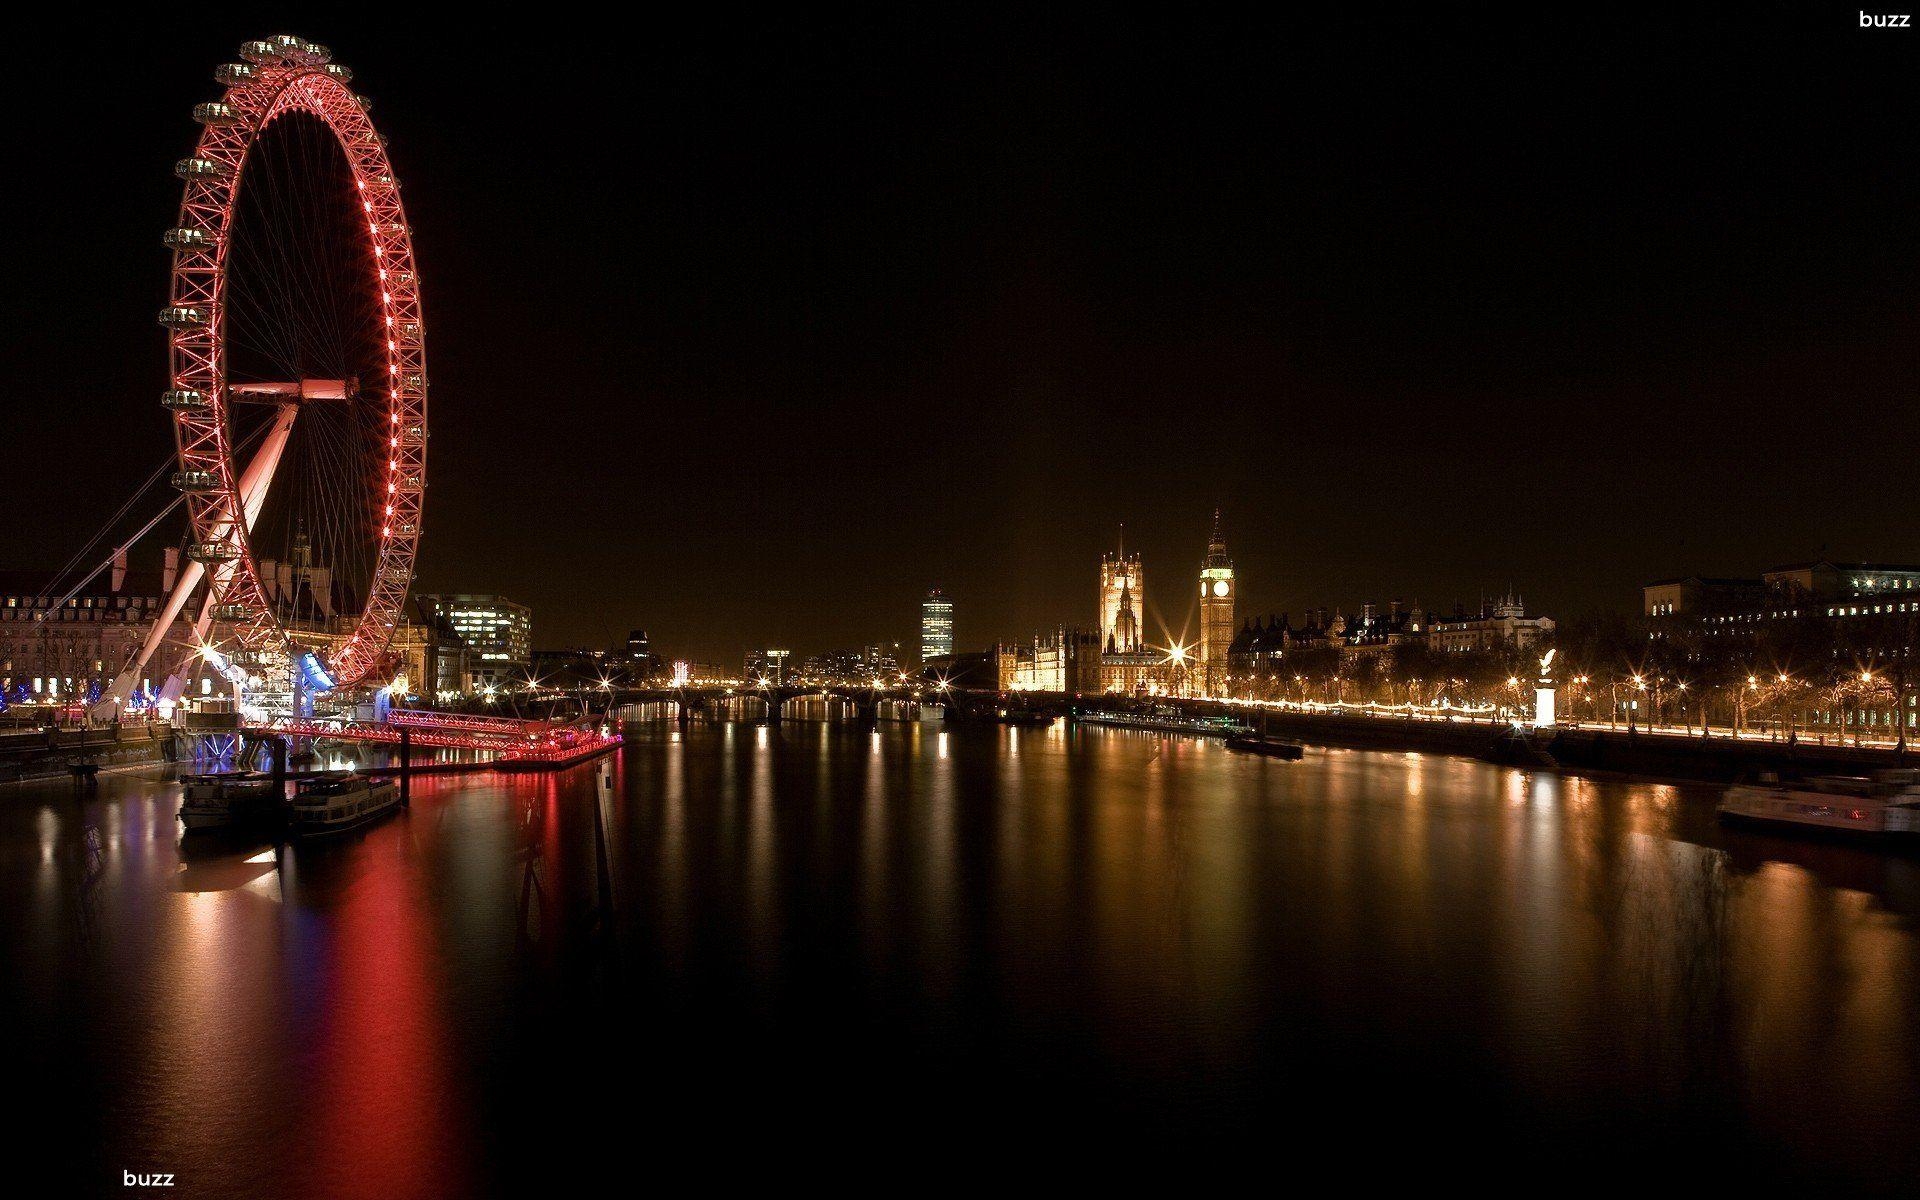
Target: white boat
(1163, 718)
(1887, 803)
(224, 799)
(334, 805)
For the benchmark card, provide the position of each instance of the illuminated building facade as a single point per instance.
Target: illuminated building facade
(1501, 625)
(61, 652)
(52, 651)
(1066, 660)
(769, 665)
(1126, 663)
(863, 667)
(498, 634)
(1837, 638)
(1825, 589)
(936, 625)
(1123, 589)
(1217, 598)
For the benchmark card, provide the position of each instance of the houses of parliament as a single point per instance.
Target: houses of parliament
(1117, 655)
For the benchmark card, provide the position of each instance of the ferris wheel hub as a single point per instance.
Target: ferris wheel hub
(298, 391)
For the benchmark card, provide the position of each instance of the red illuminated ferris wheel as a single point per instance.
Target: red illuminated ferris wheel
(298, 372)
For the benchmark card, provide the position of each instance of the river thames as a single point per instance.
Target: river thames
(907, 957)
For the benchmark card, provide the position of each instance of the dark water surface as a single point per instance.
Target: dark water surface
(907, 958)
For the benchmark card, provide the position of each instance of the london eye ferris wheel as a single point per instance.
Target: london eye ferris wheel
(297, 379)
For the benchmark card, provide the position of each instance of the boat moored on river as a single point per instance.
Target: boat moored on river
(1884, 804)
(322, 807)
(1266, 747)
(1165, 719)
(1023, 717)
(227, 799)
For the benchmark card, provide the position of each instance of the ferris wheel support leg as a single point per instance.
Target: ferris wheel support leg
(254, 482)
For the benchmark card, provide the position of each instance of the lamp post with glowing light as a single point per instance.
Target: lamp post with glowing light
(1867, 681)
(1788, 694)
(1176, 663)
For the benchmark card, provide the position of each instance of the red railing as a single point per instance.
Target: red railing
(415, 718)
(519, 740)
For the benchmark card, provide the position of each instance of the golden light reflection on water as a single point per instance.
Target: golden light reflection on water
(1200, 923)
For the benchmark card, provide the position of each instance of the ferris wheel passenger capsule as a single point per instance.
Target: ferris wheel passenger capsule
(211, 553)
(287, 44)
(195, 481)
(188, 239)
(199, 168)
(229, 74)
(261, 53)
(216, 113)
(340, 71)
(181, 316)
(309, 54)
(183, 398)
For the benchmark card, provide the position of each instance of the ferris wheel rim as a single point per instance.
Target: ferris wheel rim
(284, 76)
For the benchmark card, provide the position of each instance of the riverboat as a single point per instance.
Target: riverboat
(1165, 719)
(336, 804)
(1885, 804)
(227, 799)
(1253, 743)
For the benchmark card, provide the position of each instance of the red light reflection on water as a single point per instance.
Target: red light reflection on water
(382, 1116)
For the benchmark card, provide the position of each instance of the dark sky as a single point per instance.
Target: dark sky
(746, 333)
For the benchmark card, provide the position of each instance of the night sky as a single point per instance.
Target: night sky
(747, 333)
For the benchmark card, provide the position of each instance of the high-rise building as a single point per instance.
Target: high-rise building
(498, 632)
(767, 666)
(1216, 612)
(936, 625)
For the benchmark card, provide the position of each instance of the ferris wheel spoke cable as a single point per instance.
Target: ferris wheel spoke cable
(325, 295)
(306, 333)
(277, 283)
(285, 263)
(101, 534)
(265, 282)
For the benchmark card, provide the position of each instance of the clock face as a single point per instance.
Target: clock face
(1219, 587)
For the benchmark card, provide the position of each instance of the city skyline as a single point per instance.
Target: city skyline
(981, 344)
(1009, 584)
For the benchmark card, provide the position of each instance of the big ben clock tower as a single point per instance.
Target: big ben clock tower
(1216, 613)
